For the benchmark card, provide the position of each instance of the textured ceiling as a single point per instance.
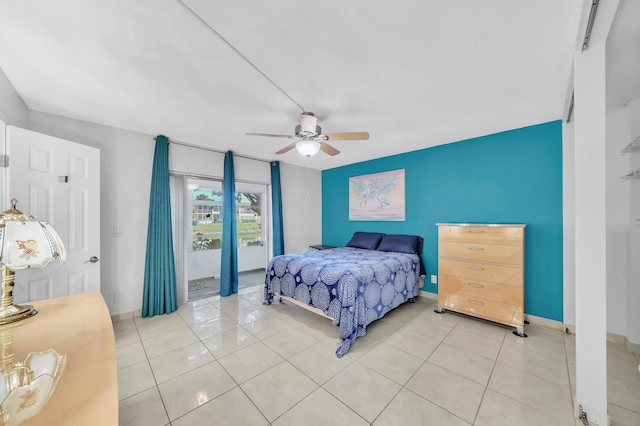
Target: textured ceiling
(414, 74)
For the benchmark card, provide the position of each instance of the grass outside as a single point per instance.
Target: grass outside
(216, 227)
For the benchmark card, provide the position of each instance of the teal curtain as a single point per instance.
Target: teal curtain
(160, 294)
(229, 260)
(276, 203)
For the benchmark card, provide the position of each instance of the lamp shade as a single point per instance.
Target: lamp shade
(308, 147)
(26, 242)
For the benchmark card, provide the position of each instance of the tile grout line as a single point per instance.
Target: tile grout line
(484, 393)
(154, 377)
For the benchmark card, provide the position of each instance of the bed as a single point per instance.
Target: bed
(353, 285)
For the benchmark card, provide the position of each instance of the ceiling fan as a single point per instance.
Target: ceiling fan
(309, 138)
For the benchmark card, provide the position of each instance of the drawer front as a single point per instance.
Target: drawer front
(476, 288)
(508, 235)
(509, 275)
(503, 313)
(512, 255)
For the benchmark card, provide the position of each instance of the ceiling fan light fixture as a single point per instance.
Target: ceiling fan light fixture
(308, 122)
(308, 148)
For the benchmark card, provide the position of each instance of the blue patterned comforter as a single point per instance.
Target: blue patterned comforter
(353, 286)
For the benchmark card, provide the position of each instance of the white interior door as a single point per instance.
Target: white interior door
(58, 181)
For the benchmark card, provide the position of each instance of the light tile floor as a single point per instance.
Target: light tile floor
(233, 361)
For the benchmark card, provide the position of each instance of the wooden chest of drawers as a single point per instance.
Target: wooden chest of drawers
(481, 271)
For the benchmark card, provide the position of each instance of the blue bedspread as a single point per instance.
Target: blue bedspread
(353, 286)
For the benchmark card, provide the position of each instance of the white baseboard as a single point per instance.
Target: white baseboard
(632, 347)
(122, 317)
(428, 295)
(616, 338)
(126, 315)
(544, 321)
(558, 325)
(613, 338)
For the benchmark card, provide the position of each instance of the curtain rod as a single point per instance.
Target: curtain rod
(218, 151)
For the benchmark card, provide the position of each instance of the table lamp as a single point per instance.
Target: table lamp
(25, 242)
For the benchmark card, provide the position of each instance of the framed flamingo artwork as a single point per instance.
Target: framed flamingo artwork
(378, 196)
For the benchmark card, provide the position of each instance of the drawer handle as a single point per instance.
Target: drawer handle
(476, 268)
(475, 285)
(476, 248)
(475, 302)
(476, 231)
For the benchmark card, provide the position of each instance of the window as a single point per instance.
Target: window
(207, 216)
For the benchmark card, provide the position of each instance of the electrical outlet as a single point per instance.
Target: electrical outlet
(117, 232)
(117, 298)
(434, 279)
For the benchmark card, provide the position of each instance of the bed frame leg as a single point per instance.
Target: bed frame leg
(412, 300)
(439, 310)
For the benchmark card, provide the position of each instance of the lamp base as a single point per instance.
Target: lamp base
(10, 313)
(13, 313)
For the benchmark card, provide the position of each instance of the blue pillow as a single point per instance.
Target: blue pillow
(365, 240)
(401, 243)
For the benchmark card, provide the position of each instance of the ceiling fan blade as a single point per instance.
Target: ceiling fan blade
(325, 147)
(287, 148)
(271, 135)
(352, 136)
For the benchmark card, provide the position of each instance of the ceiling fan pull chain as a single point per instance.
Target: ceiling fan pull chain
(308, 180)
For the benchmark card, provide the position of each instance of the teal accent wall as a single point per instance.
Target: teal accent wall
(509, 177)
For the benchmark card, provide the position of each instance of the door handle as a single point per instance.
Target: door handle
(93, 259)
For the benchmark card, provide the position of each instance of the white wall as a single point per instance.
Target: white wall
(617, 219)
(301, 207)
(12, 109)
(633, 188)
(126, 163)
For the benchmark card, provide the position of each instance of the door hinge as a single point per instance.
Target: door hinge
(4, 161)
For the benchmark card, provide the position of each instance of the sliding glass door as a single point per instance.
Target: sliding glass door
(206, 232)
